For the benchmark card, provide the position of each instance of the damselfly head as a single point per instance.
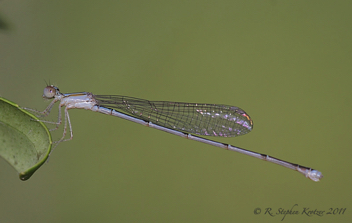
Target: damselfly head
(50, 92)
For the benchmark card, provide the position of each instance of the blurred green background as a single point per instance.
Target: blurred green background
(286, 63)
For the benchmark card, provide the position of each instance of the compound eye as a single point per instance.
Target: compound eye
(49, 92)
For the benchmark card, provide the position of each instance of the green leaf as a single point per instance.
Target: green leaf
(24, 143)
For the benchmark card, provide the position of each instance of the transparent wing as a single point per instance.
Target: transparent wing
(200, 119)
